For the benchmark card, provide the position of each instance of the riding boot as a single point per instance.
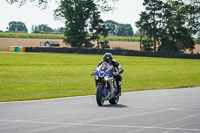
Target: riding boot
(119, 89)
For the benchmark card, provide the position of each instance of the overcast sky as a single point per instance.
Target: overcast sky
(127, 12)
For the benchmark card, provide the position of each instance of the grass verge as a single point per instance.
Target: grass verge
(27, 76)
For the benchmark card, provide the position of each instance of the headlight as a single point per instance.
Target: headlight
(96, 77)
(106, 78)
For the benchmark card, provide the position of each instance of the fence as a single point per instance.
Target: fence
(114, 52)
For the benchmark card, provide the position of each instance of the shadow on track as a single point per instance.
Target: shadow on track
(115, 106)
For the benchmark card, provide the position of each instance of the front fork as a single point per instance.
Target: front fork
(105, 86)
(108, 94)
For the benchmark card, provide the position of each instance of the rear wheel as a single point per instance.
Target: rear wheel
(114, 100)
(100, 97)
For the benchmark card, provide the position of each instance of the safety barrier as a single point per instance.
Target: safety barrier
(114, 52)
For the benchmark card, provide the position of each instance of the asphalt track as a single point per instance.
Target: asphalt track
(158, 111)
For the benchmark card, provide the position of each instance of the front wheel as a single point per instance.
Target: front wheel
(114, 100)
(100, 97)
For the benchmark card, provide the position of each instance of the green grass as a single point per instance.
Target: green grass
(59, 36)
(123, 39)
(197, 41)
(28, 35)
(26, 76)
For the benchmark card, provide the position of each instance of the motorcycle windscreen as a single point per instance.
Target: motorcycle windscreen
(104, 66)
(105, 69)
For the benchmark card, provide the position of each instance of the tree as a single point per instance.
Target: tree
(124, 30)
(112, 26)
(14, 26)
(119, 29)
(195, 17)
(171, 25)
(180, 24)
(137, 33)
(42, 28)
(43, 3)
(81, 18)
(149, 23)
(129, 30)
(98, 28)
(153, 9)
(145, 30)
(59, 30)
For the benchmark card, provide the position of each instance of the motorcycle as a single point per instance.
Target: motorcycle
(106, 84)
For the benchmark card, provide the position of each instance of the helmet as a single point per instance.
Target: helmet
(108, 58)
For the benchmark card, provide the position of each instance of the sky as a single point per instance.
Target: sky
(126, 12)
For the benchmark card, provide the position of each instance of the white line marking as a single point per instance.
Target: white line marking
(101, 125)
(158, 125)
(158, 110)
(171, 108)
(175, 121)
(177, 127)
(124, 116)
(105, 118)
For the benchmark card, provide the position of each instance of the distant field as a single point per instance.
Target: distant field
(60, 36)
(25, 39)
(57, 36)
(28, 35)
(123, 39)
(25, 76)
(5, 43)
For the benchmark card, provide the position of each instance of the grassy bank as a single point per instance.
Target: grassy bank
(38, 76)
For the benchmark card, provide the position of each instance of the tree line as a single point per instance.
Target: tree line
(82, 18)
(18, 26)
(169, 25)
(114, 28)
(117, 29)
(165, 25)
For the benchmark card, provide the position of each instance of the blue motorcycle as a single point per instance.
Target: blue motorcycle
(106, 84)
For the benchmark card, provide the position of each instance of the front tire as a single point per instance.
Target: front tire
(100, 98)
(114, 100)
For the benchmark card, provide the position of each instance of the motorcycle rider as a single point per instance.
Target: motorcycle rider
(118, 70)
